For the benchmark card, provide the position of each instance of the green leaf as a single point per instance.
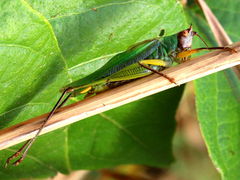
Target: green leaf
(47, 44)
(32, 67)
(219, 116)
(87, 36)
(217, 97)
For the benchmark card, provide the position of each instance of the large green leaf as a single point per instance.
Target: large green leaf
(32, 67)
(85, 35)
(217, 96)
(219, 116)
(46, 44)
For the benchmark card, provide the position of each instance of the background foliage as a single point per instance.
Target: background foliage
(217, 95)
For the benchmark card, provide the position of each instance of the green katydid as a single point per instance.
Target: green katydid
(140, 60)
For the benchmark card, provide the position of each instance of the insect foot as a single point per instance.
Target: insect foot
(231, 50)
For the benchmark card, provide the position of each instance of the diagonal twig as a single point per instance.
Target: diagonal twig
(188, 71)
(218, 31)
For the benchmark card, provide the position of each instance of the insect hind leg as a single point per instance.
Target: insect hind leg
(22, 152)
(157, 62)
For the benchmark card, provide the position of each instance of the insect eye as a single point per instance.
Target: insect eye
(185, 33)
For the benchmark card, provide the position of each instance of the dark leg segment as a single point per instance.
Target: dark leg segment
(159, 73)
(29, 143)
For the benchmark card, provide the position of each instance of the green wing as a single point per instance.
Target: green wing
(119, 62)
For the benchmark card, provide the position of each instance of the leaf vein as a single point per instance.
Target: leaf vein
(19, 107)
(45, 20)
(130, 134)
(68, 164)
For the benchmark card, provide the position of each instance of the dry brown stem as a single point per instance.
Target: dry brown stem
(218, 31)
(188, 71)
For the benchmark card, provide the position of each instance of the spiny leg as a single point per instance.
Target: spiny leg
(156, 62)
(29, 143)
(188, 53)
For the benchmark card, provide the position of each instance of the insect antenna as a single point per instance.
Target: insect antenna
(24, 149)
(201, 39)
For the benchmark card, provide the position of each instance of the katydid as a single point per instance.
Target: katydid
(142, 59)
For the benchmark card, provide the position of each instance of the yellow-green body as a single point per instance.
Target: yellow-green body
(126, 66)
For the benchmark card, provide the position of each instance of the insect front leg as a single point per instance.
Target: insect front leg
(156, 62)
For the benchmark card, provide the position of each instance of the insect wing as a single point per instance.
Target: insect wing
(119, 62)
